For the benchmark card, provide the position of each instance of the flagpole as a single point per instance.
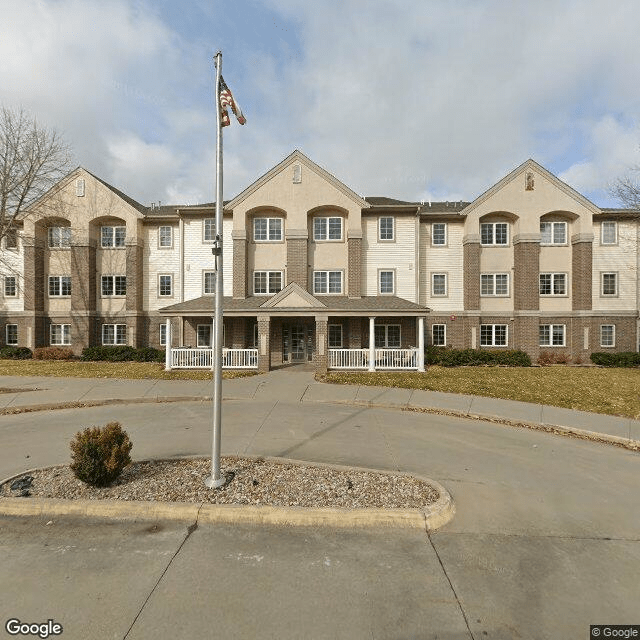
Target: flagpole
(217, 479)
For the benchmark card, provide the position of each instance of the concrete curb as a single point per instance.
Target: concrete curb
(431, 518)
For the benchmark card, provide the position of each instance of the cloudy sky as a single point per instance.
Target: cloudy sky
(413, 100)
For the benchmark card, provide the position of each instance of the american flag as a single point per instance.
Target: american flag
(226, 100)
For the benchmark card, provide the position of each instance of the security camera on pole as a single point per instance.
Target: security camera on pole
(224, 99)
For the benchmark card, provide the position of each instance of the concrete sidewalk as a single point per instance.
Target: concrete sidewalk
(298, 385)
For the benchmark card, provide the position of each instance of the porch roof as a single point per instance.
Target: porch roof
(331, 305)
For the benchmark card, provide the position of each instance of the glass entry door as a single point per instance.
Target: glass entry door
(297, 342)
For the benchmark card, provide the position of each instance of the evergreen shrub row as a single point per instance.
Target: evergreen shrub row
(624, 359)
(123, 354)
(446, 357)
(15, 353)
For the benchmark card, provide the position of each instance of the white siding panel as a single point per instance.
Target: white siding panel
(399, 255)
(160, 261)
(12, 264)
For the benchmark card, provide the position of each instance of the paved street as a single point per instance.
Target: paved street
(545, 541)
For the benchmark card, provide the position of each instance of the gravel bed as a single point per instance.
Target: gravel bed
(254, 481)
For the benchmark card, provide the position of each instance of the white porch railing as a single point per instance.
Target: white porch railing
(184, 358)
(383, 359)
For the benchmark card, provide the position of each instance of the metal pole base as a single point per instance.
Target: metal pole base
(216, 484)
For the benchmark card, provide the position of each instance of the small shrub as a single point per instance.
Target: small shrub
(52, 353)
(123, 353)
(149, 354)
(16, 353)
(553, 357)
(476, 357)
(624, 359)
(99, 454)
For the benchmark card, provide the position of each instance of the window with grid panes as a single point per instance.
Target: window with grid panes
(329, 282)
(209, 231)
(209, 282)
(113, 237)
(327, 228)
(552, 335)
(386, 281)
(114, 334)
(607, 335)
(439, 233)
(203, 336)
(267, 282)
(267, 229)
(493, 335)
(59, 286)
(335, 336)
(609, 233)
(494, 284)
(387, 336)
(11, 334)
(553, 233)
(59, 237)
(492, 233)
(438, 284)
(10, 286)
(165, 236)
(113, 285)
(609, 284)
(439, 335)
(385, 228)
(11, 239)
(165, 285)
(553, 284)
(59, 334)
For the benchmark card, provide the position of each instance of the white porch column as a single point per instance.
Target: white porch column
(167, 347)
(213, 342)
(421, 344)
(372, 344)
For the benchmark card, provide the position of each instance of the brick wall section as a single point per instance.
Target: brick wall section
(353, 336)
(135, 280)
(239, 268)
(83, 278)
(33, 284)
(471, 276)
(526, 335)
(264, 355)
(581, 274)
(526, 276)
(354, 277)
(321, 356)
(297, 262)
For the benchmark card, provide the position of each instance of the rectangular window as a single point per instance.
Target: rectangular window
(165, 237)
(208, 282)
(494, 284)
(552, 335)
(327, 282)
(267, 229)
(438, 284)
(59, 237)
(387, 336)
(11, 239)
(111, 237)
(59, 334)
(10, 286)
(11, 334)
(494, 233)
(439, 335)
(59, 286)
(386, 282)
(607, 335)
(609, 284)
(165, 286)
(553, 284)
(209, 230)
(203, 339)
(267, 282)
(113, 286)
(335, 336)
(553, 233)
(385, 228)
(163, 334)
(609, 233)
(114, 334)
(439, 233)
(493, 335)
(327, 229)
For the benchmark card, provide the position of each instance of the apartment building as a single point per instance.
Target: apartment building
(311, 267)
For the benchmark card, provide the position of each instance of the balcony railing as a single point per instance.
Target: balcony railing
(186, 358)
(383, 359)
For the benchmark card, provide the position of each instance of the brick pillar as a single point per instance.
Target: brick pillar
(527, 332)
(297, 260)
(581, 273)
(354, 249)
(526, 275)
(239, 263)
(33, 283)
(321, 355)
(135, 290)
(264, 344)
(83, 292)
(471, 275)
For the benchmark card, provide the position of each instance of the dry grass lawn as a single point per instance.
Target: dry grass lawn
(610, 391)
(131, 370)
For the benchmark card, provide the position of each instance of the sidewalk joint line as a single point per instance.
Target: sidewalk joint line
(260, 426)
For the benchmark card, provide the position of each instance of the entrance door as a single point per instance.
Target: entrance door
(297, 342)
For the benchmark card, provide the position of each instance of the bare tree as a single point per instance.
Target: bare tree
(32, 159)
(627, 188)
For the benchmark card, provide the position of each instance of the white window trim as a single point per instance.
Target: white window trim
(393, 282)
(114, 227)
(113, 285)
(115, 342)
(341, 336)
(554, 275)
(163, 334)
(63, 343)
(6, 335)
(609, 295)
(204, 281)
(327, 239)
(59, 295)
(268, 219)
(493, 336)
(386, 335)
(446, 234)
(170, 245)
(14, 232)
(493, 280)
(494, 243)
(551, 327)
(327, 292)
(393, 229)
(438, 324)
(553, 224)
(198, 344)
(61, 245)
(446, 284)
(165, 275)
(615, 226)
(267, 271)
(15, 287)
(608, 346)
(205, 240)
